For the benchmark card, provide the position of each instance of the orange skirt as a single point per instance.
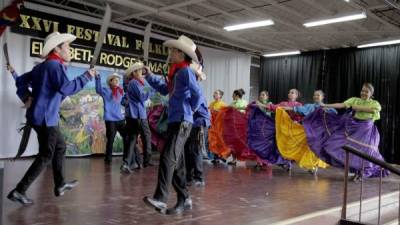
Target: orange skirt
(215, 134)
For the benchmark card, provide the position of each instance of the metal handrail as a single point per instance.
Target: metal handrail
(367, 157)
(383, 165)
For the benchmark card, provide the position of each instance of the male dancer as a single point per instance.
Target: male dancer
(50, 86)
(184, 99)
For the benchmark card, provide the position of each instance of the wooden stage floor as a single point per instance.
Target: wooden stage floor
(233, 195)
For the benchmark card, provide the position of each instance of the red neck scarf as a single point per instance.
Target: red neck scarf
(116, 90)
(141, 81)
(54, 56)
(171, 73)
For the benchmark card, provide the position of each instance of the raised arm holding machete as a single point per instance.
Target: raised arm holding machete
(44, 119)
(26, 128)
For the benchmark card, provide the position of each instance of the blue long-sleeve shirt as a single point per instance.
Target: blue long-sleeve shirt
(136, 97)
(112, 104)
(14, 75)
(309, 108)
(201, 118)
(27, 93)
(185, 97)
(50, 85)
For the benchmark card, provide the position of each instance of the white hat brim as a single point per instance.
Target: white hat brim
(184, 48)
(55, 41)
(112, 76)
(202, 76)
(198, 71)
(134, 67)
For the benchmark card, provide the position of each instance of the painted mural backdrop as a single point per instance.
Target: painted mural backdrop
(83, 126)
(82, 121)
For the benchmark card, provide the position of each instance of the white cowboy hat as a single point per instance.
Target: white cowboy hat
(184, 44)
(112, 76)
(54, 39)
(134, 67)
(198, 70)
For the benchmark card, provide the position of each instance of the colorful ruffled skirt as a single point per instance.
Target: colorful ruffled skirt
(216, 142)
(235, 128)
(261, 136)
(327, 133)
(154, 117)
(292, 142)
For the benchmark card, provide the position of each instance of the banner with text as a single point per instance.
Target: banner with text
(119, 50)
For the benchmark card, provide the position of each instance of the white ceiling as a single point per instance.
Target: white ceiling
(204, 21)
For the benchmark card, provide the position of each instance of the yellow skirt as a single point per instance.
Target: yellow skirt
(292, 142)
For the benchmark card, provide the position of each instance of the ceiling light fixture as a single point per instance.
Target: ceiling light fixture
(379, 44)
(357, 16)
(249, 25)
(282, 54)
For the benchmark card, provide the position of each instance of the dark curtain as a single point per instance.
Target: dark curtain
(281, 74)
(341, 73)
(348, 69)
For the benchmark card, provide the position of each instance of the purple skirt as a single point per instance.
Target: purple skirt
(153, 116)
(261, 136)
(319, 126)
(327, 133)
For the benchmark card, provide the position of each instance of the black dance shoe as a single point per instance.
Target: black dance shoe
(180, 207)
(66, 187)
(16, 196)
(157, 205)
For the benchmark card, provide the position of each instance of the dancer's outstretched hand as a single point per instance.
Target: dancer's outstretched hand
(10, 68)
(92, 72)
(146, 71)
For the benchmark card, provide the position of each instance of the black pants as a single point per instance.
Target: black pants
(51, 149)
(194, 148)
(172, 164)
(133, 128)
(112, 127)
(145, 133)
(131, 154)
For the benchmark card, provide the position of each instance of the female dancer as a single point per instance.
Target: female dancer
(359, 132)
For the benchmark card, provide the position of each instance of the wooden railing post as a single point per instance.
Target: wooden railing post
(346, 178)
(384, 166)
